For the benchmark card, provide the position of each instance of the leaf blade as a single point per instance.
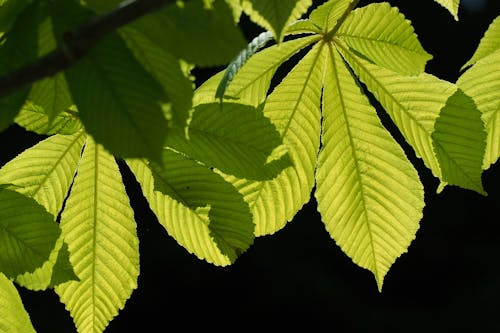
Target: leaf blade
(482, 83)
(369, 195)
(383, 35)
(275, 15)
(98, 226)
(13, 317)
(201, 211)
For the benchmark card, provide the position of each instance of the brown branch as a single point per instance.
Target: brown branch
(77, 43)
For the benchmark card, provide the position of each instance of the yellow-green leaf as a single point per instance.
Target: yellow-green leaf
(451, 6)
(482, 83)
(382, 34)
(275, 15)
(412, 102)
(204, 214)
(99, 228)
(369, 194)
(13, 315)
(294, 108)
(489, 44)
(459, 140)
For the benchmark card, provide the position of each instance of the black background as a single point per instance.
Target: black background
(449, 279)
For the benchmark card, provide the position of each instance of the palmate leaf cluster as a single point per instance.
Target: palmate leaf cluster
(235, 158)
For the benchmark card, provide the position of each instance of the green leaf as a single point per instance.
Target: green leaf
(237, 140)
(214, 40)
(27, 234)
(119, 103)
(50, 94)
(235, 6)
(45, 171)
(294, 108)
(204, 213)
(482, 83)
(251, 83)
(257, 43)
(459, 140)
(9, 11)
(412, 102)
(489, 44)
(368, 193)
(98, 226)
(57, 269)
(451, 5)
(303, 26)
(18, 48)
(13, 315)
(382, 35)
(166, 68)
(33, 118)
(275, 15)
(326, 15)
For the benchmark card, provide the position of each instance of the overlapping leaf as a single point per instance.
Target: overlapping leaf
(213, 40)
(382, 35)
(27, 234)
(482, 83)
(294, 108)
(18, 49)
(459, 140)
(44, 172)
(412, 102)
(50, 94)
(327, 15)
(166, 69)
(197, 207)
(99, 227)
(369, 195)
(250, 83)
(13, 315)
(34, 119)
(237, 140)
(119, 103)
(275, 15)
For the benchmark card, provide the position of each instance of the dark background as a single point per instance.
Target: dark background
(449, 279)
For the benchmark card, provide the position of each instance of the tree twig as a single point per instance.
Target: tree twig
(77, 43)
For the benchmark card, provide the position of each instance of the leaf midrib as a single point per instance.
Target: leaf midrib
(354, 155)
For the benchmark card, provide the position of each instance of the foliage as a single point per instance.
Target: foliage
(237, 157)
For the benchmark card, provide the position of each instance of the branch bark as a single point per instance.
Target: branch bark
(77, 43)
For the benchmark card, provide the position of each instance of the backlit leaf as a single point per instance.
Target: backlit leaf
(166, 68)
(294, 108)
(214, 40)
(18, 49)
(382, 34)
(489, 44)
(369, 194)
(459, 140)
(204, 214)
(13, 315)
(275, 15)
(412, 102)
(99, 228)
(451, 5)
(33, 118)
(482, 83)
(118, 102)
(237, 140)
(27, 234)
(326, 15)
